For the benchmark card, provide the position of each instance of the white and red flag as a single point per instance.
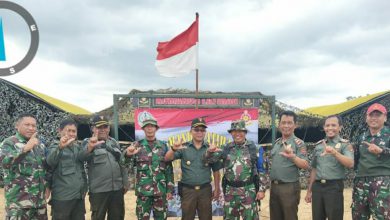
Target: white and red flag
(179, 56)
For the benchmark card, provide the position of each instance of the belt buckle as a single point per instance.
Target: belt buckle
(323, 181)
(276, 182)
(197, 187)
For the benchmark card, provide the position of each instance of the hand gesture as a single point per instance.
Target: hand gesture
(213, 148)
(93, 142)
(132, 149)
(287, 151)
(31, 143)
(373, 148)
(66, 141)
(308, 196)
(328, 149)
(178, 145)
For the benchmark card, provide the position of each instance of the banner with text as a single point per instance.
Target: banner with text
(176, 123)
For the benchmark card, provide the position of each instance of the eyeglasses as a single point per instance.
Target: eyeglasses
(199, 130)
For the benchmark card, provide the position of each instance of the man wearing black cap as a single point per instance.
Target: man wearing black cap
(195, 188)
(371, 195)
(154, 183)
(107, 179)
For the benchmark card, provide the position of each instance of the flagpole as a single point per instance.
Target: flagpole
(197, 70)
(197, 88)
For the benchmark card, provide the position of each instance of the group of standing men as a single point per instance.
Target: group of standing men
(32, 172)
(244, 181)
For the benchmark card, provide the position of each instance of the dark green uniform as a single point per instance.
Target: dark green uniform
(327, 190)
(195, 182)
(154, 178)
(107, 179)
(371, 194)
(69, 182)
(284, 175)
(24, 179)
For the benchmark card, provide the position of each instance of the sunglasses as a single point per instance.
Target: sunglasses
(199, 130)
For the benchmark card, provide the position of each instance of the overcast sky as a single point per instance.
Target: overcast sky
(307, 53)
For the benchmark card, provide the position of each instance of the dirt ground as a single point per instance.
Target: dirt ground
(304, 212)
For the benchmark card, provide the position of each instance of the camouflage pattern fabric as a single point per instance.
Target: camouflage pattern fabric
(145, 204)
(24, 177)
(239, 163)
(371, 196)
(29, 214)
(154, 177)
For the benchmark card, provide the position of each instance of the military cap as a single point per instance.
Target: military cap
(150, 121)
(376, 107)
(99, 120)
(198, 122)
(238, 126)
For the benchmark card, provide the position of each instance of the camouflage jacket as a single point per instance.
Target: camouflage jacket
(154, 176)
(24, 174)
(240, 163)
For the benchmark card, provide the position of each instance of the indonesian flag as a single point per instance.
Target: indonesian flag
(180, 55)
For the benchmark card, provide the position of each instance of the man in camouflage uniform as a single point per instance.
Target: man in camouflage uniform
(326, 184)
(154, 176)
(240, 165)
(107, 179)
(371, 194)
(23, 160)
(69, 183)
(288, 155)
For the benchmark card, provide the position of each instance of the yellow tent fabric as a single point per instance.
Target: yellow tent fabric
(327, 110)
(59, 104)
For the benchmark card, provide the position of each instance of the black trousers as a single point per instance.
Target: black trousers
(68, 209)
(328, 200)
(111, 203)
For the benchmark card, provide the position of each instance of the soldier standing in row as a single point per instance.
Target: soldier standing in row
(326, 184)
(240, 178)
(69, 183)
(107, 179)
(288, 155)
(371, 194)
(195, 189)
(154, 176)
(23, 160)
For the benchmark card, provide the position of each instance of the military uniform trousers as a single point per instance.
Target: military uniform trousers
(27, 214)
(196, 199)
(327, 200)
(371, 196)
(284, 200)
(145, 204)
(68, 209)
(242, 205)
(111, 202)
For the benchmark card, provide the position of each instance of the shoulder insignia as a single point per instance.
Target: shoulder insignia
(344, 140)
(298, 141)
(319, 142)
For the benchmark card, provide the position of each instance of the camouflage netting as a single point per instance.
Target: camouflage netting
(14, 101)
